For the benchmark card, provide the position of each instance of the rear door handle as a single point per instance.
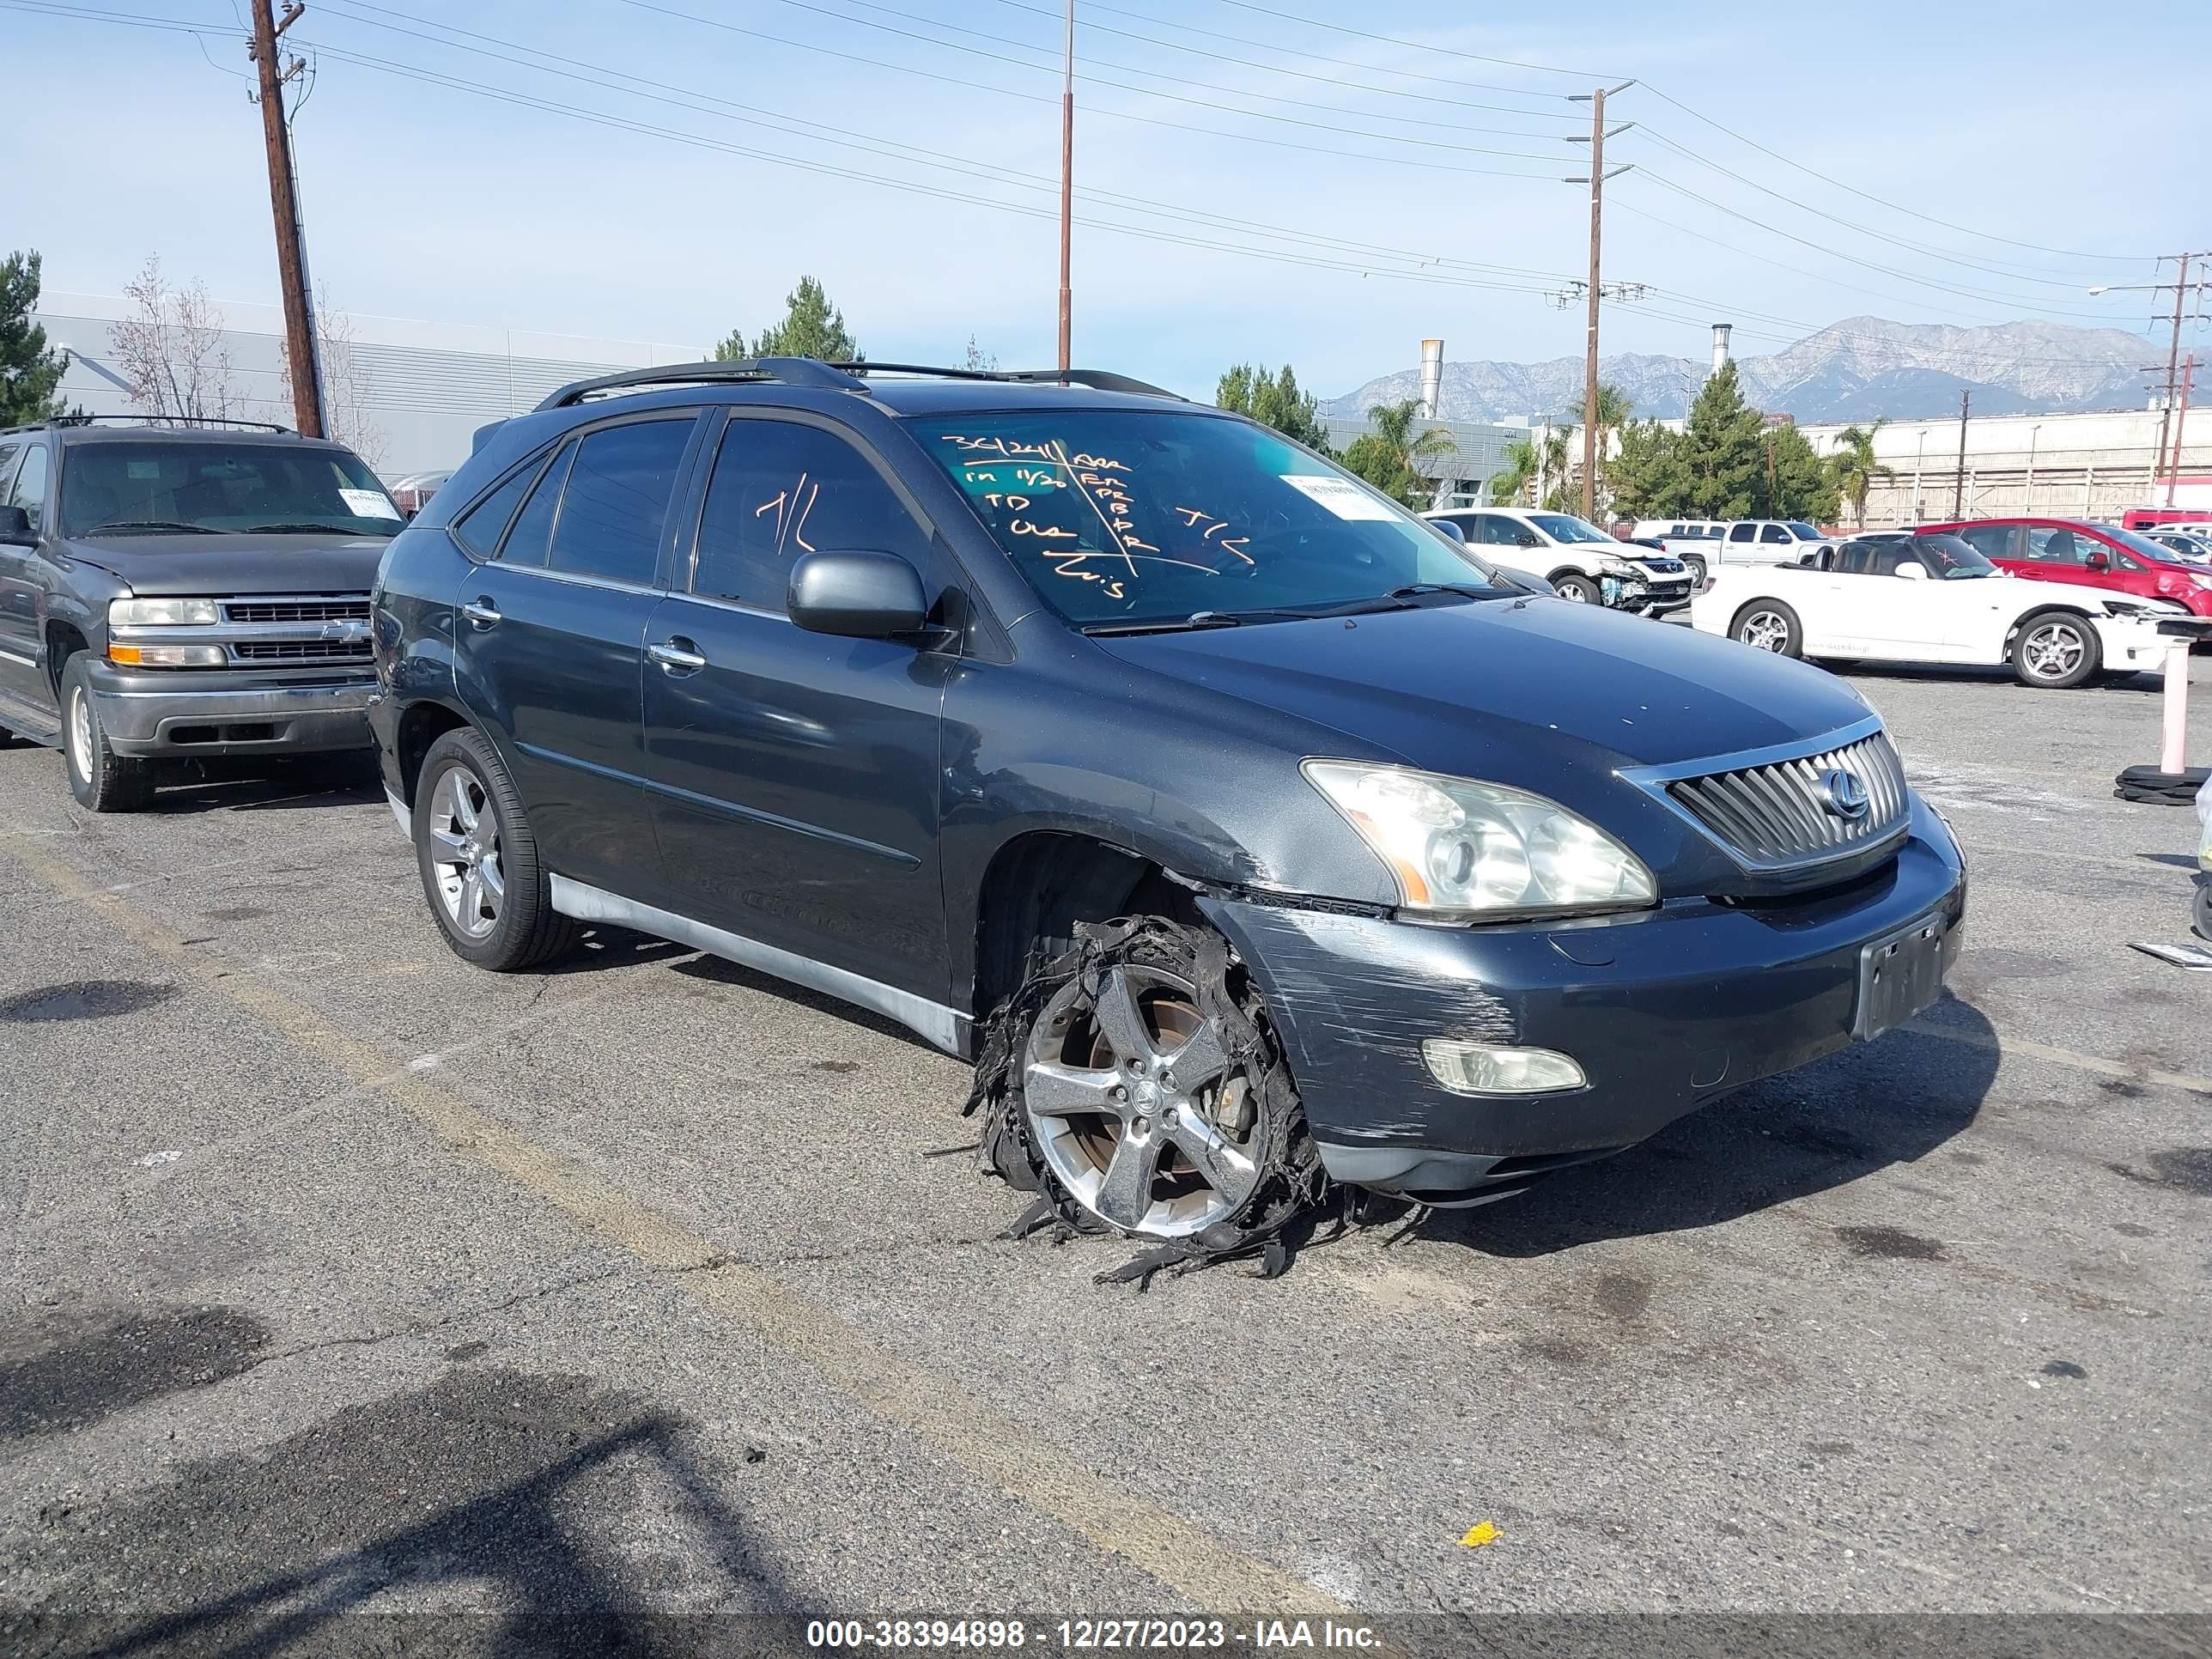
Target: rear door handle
(677, 656)
(482, 612)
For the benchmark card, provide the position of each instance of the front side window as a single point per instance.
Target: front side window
(614, 508)
(1140, 516)
(178, 486)
(1774, 534)
(781, 490)
(29, 491)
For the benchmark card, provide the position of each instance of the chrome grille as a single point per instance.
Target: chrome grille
(301, 650)
(1777, 814)
(296, 610)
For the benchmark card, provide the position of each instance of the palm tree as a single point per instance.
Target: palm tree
(1390, 453)
(1520, 472)
(1852, 464)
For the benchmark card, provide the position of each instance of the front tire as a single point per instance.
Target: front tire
(101, 779)
(1768, 625)
(479, 861)
(1581, 590)
(1137, 1085)
(2056, 651)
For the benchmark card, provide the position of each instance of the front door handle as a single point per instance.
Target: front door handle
(677, 656)
(482, 612)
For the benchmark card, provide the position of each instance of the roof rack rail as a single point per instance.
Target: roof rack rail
(789, 371)
(81, 418)
(1097, 380)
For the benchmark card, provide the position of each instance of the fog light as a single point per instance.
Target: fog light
(1466, 1068)
(167, 656)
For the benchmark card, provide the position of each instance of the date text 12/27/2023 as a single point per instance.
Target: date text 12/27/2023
(1138, 1634)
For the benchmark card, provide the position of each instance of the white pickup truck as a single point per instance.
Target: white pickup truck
(1703, 543)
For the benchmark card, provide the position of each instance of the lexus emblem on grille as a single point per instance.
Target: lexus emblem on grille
(1843, 793)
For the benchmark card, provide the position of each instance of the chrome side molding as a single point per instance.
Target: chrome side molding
(943, 1027)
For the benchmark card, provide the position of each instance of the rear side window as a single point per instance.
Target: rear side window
(781, 490)
(1992, 541)
(1743, 532)
(478, 529)
(614, 508)
(532, 533)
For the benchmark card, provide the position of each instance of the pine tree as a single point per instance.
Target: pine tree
(1724, 451)
(812, 327)
(29, 372)
(1273, 399)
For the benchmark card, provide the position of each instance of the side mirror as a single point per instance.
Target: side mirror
(15, 526)
(1527, 538)
(1448, 531)
(858, 596)
(2099, 560)
(1913, 573)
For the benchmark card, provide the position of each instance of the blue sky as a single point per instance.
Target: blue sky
(1282, 166)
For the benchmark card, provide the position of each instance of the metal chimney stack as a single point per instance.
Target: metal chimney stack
(1432, 378)
(1721, 331)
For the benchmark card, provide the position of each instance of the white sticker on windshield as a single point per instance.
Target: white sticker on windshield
(142, 469)
(368, 504)
(1339, 495)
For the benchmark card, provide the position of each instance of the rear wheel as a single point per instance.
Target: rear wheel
(1768, 625)
(101, 779)
(1136, 1083)
(1580, 589)
(491, 896)
(2055, 650)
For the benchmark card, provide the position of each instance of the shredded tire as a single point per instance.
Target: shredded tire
(1293, 1189)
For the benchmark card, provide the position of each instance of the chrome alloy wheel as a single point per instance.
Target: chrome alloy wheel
(1765, 630)
(1572, 594)
(2053, 650)
(80, 731)
(463, 833)
(1134, 1106)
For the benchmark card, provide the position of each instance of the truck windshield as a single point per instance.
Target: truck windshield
(1141, 516)
(176, 488)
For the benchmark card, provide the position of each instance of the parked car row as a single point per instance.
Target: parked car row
(1247, 831)
(1574, 559)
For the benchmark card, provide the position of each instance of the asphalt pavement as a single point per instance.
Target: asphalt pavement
(343, 1280)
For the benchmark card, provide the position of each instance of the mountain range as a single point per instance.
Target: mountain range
(1857, 369)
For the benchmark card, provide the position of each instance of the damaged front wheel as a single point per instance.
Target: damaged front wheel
(1136, 1083)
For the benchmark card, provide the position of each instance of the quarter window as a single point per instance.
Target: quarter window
(780, 490)
(532, 533)
(614, 507)
(478, 529)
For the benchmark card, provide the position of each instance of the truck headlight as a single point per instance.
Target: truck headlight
(162, 613)
(1457, 847)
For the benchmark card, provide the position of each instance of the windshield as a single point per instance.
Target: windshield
(1952, 558)
(1126, 517)
(178, 487)
(1801, 531)
(2141, 546)
(1561, 527)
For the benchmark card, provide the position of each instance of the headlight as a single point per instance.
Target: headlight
(2200, 579)
(1614, 567)
(163, 613)
(1462, 848)
(2122, 608)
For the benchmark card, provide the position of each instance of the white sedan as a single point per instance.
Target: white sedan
(1905, 597)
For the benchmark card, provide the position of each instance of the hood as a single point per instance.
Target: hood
(214, 567)
(1519, 693)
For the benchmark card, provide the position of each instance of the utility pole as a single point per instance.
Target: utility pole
(1598, 175)
(2180, 426)
(2180, 287)
(1958, 484)
(284, 206)
(1067, 196)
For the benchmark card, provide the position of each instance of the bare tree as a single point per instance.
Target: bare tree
(980, 358)
(171, 348)
(346, 385)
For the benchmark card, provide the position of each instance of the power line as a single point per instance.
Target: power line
(1418, 45)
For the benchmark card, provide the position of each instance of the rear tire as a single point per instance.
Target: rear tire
(101, 779)
(479, 861)
(1579, 590)
(1768, 625)
(2056, 651)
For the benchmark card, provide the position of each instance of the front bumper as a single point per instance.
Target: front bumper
(2130, 642)
(183, 711)
(1662, 596)
(1664, 1010)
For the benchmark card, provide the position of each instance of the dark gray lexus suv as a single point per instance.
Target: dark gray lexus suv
(1246, 831)
(183, 590)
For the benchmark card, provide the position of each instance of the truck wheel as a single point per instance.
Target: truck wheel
(1580, 589)
(1768, 625)
(2055, 650)
(1696, 564)
(478, 861)
(2203, 921)
(1136, 1084)
(101, 779)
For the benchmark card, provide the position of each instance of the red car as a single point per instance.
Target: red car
(2095, 555)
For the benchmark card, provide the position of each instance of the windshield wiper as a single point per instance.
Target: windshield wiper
(319, 529)
(148, 524)
(1399, 598)
(1197, 619)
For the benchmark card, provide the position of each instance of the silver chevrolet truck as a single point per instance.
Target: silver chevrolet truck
(183, 590)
